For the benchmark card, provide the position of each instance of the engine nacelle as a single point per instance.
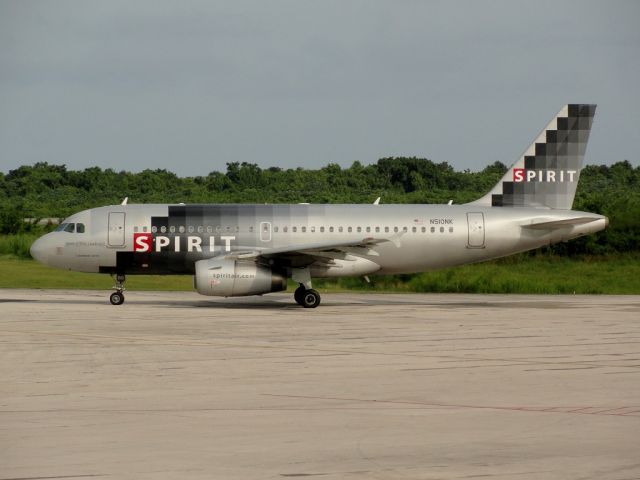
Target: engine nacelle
(229, 278)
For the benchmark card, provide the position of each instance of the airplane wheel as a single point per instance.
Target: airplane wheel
(116, 298)
(297, 295)
(310, 299)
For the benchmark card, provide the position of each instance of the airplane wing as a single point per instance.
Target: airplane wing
(317, 251)
(546, 224)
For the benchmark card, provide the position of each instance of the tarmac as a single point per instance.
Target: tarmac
(179, 386)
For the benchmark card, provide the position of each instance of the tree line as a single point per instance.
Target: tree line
(44, 190)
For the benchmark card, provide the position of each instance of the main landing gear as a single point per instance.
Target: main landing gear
(117, 297)
(307, 298)
(304, 295)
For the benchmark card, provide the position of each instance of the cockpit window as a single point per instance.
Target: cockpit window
(70, 227)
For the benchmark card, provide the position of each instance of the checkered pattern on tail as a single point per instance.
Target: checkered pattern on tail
(547, 174)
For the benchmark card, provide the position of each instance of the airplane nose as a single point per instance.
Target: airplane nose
(38, 250)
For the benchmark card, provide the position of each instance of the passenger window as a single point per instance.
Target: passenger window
(395, 229)
(386, 229)
(275, 229)
(321, 229)
(414, 229)
(135, 229)
(405, 229)
(284, 229)
(450, 229)
(340, 229)
(144, 229)
(237, 228)
(218, 228)
(359, 229)
(349, 229)
(200, 229)
(80, 228)
(313, 229)
(368, 229)
(294, 229)
(441, 229)
(181, 228)
(377, 229)
(154, 229)
(424, 229)
(209, 229)
(433, 229)
(331, 229)
(190, 229)
(227, 228)
(304, 229)
(71, 227)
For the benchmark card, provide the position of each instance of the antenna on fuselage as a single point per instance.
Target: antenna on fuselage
(124, 202)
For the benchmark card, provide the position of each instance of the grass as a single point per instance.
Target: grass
(546, 274)
(17, 245)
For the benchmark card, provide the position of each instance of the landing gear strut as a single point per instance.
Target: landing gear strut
(117, 297)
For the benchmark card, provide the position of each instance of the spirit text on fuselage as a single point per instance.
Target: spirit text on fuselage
(144, 243)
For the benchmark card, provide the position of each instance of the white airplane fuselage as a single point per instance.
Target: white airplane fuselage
(410, 238)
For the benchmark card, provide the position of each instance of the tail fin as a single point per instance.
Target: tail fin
(547, 174)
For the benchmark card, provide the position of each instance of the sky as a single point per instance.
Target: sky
(188, 86)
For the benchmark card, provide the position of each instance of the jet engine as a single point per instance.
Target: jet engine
(230, 278)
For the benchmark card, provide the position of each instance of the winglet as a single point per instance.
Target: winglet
(377, 202)
(124, 202)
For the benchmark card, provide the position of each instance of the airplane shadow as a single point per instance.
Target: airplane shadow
(252, 305)
(264, 303)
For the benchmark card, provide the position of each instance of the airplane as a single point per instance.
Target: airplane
(242, 249)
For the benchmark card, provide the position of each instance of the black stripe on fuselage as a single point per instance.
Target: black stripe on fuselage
(207, 222)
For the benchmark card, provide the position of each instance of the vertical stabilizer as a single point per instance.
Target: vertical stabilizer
(547, 174)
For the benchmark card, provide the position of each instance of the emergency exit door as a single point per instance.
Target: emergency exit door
(475, 223)
(116, 229)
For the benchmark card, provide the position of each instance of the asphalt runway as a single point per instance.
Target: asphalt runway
(179, 386)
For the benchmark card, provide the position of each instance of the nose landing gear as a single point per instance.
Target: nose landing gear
(117, 297)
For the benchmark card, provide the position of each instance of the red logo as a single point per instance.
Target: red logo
(518, 175)
(142, 242)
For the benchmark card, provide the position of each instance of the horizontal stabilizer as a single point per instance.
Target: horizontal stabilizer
(545, 224)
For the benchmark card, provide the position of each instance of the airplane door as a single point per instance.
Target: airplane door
(265, 231)
(116, 229)
(475, 222)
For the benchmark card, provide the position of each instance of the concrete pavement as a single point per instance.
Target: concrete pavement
(175, 385)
